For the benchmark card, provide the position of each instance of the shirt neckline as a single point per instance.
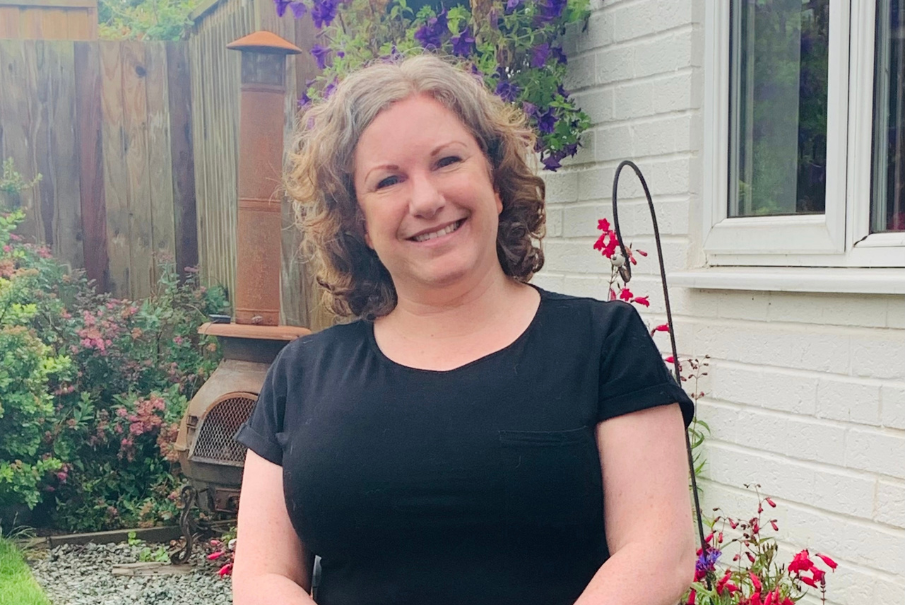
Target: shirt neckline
(372, 342)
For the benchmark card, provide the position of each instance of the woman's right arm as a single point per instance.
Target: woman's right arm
(271, 565)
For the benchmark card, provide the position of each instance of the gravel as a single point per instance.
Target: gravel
(82, 575)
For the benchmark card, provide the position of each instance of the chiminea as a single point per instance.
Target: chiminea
(210, 458)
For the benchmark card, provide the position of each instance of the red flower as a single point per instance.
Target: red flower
(642, 300)
(773, 525)
(670, 359)
(692, 596)
(625, 294)
(214, 556)
(708, 538)
(801, 562)
(756, 582)
(225, 570)
(770, 502)
(662, 328)
(829, 562)
(603, 225)
(808, 581)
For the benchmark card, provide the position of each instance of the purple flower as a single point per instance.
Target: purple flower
(539, 55)
(304, 100)
(430, 35)
(551, 162)
(707, 561)
(546, 121)
(529, 108)
(511, 5)
(507, 90)
(550, 10)
(320, 54)
(323, 12)
(330, 88)
(559, 55)
(298, 10)
(281, 6)
(463, 44)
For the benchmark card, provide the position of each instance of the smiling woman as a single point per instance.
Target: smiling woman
(470, 438)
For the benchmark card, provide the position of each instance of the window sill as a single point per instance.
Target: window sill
(793, 279)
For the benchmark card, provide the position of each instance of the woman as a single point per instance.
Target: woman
(447, 448)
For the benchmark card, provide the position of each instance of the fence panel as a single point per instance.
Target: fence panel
(94, 120)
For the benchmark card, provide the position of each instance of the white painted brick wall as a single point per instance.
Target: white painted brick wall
(806, 393)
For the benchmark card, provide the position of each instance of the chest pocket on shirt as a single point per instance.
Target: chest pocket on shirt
(551, 479)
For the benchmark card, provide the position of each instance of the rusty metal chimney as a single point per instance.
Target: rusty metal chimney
(258, 233)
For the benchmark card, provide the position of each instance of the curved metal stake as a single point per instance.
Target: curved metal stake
(625, 271)
(187, 496)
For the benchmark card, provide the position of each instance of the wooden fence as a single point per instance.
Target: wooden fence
(137, 144)
(108, 127)
(48, 19)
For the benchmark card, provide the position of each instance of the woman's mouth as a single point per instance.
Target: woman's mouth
(439, 233)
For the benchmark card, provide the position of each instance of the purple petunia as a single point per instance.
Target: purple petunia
(463, 44)
(546, 121)
(430, 35)
(323, 12)
(304, 101)
(511, 5)
(550, 10)
(507, 90)
(330, 88)
(530, 109)
(552, 161)
(559, 55)
(320, 55)
(281, 6)
(298, 10)
(539, 55)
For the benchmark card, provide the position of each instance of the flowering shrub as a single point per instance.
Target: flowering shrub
(515, 46)
(91, 388)
(753, 577)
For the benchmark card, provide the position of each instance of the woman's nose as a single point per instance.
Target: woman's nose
(426, 199)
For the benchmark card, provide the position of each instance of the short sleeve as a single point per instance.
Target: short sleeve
(259, 432)
(633, 375)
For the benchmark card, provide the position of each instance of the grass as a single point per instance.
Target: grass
(17, 586)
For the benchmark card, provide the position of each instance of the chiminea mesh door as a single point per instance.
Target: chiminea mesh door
(214, 440)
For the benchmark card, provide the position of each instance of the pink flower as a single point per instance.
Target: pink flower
(662, 328)
(829, 562)
(625, 294)
(225, 570)
(215, 555)
(641, 300)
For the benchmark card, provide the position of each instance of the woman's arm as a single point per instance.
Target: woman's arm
(271, 562)
(646, 509)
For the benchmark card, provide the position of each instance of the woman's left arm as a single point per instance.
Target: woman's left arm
(647, 510)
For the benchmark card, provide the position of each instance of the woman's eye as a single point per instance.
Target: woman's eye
(390, 180)
(448, 160)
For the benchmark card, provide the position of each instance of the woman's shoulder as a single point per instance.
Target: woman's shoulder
(337, 340)
(594, 308)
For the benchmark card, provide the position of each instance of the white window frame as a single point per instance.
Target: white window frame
(840, 237)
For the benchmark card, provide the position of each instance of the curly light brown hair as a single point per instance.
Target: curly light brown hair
(320, 177)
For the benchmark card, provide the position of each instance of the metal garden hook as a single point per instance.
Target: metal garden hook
(625, 271)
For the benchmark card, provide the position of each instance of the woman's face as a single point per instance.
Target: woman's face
(423, 185)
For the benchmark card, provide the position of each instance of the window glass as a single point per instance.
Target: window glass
(778, 107)
(888, 183)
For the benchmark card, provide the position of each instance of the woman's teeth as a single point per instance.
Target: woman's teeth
(426, 236)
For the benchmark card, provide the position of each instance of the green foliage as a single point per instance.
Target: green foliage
(92, 388)
(517, 52)
(158, 555)
(145, 19)
(17, 585)
(12, 184)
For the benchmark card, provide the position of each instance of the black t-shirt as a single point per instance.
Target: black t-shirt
(478, 485)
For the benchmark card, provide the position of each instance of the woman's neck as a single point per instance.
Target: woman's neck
(457, 312)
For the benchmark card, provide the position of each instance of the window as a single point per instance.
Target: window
(805, 140)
